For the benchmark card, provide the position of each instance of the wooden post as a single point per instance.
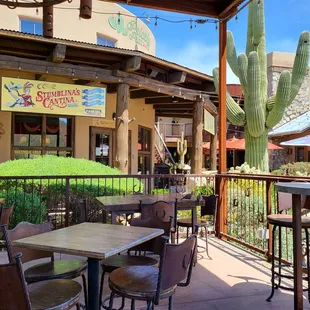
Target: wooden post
(121, 128)
(47, 21)
(222, 189)
(196, 155)
(213, 147)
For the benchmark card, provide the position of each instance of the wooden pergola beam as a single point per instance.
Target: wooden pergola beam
(58, 54)
(177, 77)
(143, 93)
(131, 64)
(166, 100)
(175, 107)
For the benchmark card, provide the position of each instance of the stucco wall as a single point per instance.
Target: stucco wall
(277, 62)
(68, 25)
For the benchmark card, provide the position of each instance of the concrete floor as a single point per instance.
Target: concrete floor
(232, 280)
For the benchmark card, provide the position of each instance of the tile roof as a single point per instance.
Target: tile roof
(297, 125)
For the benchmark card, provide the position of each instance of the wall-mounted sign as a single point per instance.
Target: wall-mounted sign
(208, 122)
(131, 29)
(19, 95)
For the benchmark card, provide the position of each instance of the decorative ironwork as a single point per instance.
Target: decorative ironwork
(13, 4)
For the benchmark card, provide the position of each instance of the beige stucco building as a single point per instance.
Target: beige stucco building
(106, 27)
(24, 135)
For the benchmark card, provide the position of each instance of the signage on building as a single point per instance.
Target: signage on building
(20, 95)
(208, 122)
(130, 29)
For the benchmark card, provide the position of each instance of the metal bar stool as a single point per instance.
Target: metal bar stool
(286, 221)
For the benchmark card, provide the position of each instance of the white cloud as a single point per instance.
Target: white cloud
(195, 55)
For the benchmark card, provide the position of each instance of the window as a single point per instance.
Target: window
(105, 41)
(31, 26)
(144, 150)
(300, 151)
(35, 135)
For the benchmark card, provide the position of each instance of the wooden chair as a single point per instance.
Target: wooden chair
(162, 209)
(55, 269)
(286, 221)
(117, 261)
(151, 284)
(53, 294)
(5, 214)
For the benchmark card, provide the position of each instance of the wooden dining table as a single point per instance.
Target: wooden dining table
(297, 189)
(95, 241)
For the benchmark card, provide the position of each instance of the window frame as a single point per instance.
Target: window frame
(43, 148)
(107, 38)
(29, 19)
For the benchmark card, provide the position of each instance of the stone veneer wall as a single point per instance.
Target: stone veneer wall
(301, 103)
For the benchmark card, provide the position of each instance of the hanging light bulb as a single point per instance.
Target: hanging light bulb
(236, 18)
(156, 18)
(37, 11)
(119, 18)
(191, 26)
(216, 27)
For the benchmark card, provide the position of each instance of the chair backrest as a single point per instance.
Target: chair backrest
(24, 230)
(5, 214)
(13, 291)
(162, 209)
(153, 245)
(176, 263)
(210, 205)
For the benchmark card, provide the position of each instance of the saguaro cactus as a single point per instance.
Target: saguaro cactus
(261, 113)
(182, 150)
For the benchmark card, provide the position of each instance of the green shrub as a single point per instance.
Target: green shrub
(52, 190)
(161, 191)
(28, 206)
(295, 169)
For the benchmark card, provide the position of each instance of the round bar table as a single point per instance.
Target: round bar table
(296, 189)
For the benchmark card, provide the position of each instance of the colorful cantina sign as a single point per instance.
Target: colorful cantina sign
(20, 95)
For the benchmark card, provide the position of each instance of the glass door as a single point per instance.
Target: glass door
(101, 145)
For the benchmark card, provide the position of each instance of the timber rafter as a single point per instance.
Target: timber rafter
(78, 72)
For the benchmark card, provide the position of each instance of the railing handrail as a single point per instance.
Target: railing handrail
(164, 145)
(262, 177)
(110, 176)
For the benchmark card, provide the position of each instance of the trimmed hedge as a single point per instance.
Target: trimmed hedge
(35, 197)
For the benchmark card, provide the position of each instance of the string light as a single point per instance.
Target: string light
(156, 18)
(37, 11)
(236, 18)
(191, 26)
(216, 27)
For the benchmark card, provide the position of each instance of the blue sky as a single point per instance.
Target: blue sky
(198, 48)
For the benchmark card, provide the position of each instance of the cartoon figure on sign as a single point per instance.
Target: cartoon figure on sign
(24, 100)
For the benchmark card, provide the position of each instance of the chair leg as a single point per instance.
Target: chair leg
(187, 232)
(206, 235)
(101, 288)
(280, 258)
(85, 290)
(170, 303)
(308, 261)
(272, 262)
(78, 307)
(111, 301)
(133, 305)
(177, 229)
(149, 305)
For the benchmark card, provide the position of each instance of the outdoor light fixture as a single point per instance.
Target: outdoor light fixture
(85, 9)
(174, 100)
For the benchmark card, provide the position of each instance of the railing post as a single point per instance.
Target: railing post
(221, 216)
(67, 200)
(269, 211)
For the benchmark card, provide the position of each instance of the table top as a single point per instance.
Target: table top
(297, 188)
(110, 203)
(94, 240)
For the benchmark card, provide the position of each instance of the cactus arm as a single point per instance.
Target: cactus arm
(253, 107)
(300, 64)
(249, 43)
(282, 97)
(243, 71)
(232, 54)
(234, 113)
(258, 22)
(271, 102)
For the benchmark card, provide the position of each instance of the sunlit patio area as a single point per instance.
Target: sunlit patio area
(232, 279)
